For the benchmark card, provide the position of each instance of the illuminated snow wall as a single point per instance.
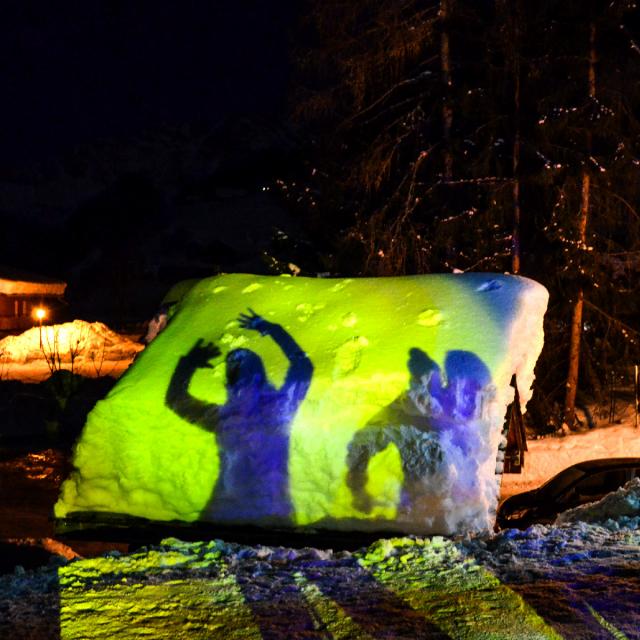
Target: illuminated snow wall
(371, 404)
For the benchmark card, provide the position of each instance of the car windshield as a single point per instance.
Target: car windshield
(558, 484)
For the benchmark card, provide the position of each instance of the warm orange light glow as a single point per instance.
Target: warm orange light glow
(40, 313)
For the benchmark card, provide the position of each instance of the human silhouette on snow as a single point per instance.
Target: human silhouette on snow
(252, 428)
(418, 421)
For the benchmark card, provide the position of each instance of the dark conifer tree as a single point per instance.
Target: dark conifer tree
(413, 140)
(586, 94)
(494, 135)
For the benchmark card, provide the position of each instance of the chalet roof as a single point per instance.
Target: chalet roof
(17, 282)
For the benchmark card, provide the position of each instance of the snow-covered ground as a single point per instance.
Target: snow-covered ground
(572, 581)
(549, 456)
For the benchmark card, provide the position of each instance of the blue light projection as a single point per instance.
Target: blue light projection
(433, 417)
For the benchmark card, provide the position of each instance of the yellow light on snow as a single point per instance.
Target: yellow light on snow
(40, 313)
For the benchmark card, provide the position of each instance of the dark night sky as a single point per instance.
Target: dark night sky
(78, 72)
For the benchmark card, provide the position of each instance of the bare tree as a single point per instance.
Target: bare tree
(446, 7)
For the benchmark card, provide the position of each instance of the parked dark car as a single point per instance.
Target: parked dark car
(579, 484)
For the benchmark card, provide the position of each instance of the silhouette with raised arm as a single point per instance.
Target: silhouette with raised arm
(253, 426)
(420, 421)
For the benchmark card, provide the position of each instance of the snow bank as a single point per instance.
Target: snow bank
(616, 510)
(548, 456)
(85, 342)
(372, 404)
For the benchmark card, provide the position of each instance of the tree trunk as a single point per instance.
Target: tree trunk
(578, 305)
(574, 360)
(515, 238)
(447, 109)
(510, 15)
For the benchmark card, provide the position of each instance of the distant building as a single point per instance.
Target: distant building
(22, 294)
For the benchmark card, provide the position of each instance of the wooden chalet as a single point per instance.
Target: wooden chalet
(22, 294)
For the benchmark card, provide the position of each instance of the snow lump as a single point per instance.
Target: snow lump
(357, 404)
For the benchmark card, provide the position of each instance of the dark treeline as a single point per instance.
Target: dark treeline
(483, 135)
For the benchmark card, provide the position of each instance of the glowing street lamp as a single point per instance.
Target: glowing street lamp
(41, 314)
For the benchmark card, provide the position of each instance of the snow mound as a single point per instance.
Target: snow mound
(78, 340)
(353, 404)
(619, 509)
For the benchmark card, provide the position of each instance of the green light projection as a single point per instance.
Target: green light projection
(401, 587)
(138, 456)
